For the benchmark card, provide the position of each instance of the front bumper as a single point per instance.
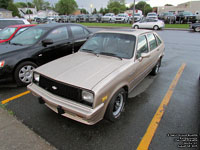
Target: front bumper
(71, 109)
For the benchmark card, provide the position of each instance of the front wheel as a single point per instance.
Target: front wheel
(23, 73)
(136, 27)
(155, 27)
(116, 105)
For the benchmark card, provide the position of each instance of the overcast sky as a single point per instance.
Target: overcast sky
(103, 3)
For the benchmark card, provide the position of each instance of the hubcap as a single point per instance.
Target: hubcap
(136, 27)
(197, 29)
(155, 28)
(157, 68)
(118, 104)
(25, 73)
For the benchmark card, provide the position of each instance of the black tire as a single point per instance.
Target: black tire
(156, 68)
(18, 70)
(197, 29)
(136, 27)
(112, 114)
(156, 27)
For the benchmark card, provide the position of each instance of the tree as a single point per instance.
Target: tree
(143, 6)
(94, 11)
(30, 5)
(168, 5)
(46, 5)
(66, 7)
(4, 3)
(20, 5)
(39, 4)
(116, 7)
(101, 10)
(29, 11)
(14, 9)
(84, 11)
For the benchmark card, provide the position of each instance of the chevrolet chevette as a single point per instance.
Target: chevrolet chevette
(94, 83)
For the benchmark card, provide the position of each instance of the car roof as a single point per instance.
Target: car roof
(128, 31)
(12, 19)
(22, 25)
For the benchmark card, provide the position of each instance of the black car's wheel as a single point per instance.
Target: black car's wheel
(197, 29)
(116, 105)
(156, 68)
(23, 73)
(156, 27)
(136, 27)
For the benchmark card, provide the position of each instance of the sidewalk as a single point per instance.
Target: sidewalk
(16, 136)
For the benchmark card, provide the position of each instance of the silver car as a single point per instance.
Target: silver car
(94, 83)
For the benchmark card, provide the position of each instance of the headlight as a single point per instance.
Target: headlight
(87, 96)
(2, 63)
(36, 77)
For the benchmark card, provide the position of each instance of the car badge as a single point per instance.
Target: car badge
(54, 88)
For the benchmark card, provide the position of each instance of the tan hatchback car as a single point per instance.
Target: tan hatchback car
(95, 82)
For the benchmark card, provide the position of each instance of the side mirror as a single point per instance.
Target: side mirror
(145, 55)
(47, 42)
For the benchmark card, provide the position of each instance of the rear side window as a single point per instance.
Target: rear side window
(5, 23)
(152, 41)
(142, 46)
(58, 34)
(158, 40)
(78, 31)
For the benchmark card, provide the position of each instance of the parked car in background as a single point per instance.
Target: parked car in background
(167, 17)
(138, 17)
(148, 23)
(186, 17)
(95, 18)
(152, 15)
(100, 76)
(84, 18)
(9, 32)
(64, 18)
(74, 18)
(37, 46)
(109, 17)
(195, 27)
(122, 18)
(12, 21)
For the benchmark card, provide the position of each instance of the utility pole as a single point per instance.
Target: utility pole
(28, 9)
(133, 10)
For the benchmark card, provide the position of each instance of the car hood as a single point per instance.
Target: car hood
(7, 48)
(84, 70)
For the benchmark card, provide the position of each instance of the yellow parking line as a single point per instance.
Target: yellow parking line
(146, 140)
(14, 97)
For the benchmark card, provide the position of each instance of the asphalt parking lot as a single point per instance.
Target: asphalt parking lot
(181, 115)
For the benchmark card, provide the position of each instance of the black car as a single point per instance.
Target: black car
(167, 17)
(195, 27)
(186, 17)
(39, 45)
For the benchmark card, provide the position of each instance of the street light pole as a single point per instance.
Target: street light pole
(133, 10)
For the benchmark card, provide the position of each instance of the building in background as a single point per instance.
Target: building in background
(4, 13)
(192, 6)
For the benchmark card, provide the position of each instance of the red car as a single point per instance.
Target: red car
(9, 32)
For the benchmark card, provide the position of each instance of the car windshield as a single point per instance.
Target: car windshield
(187, 13)
(151, 15)
(28, 37)
(6, 33)
(121, 15)
(107, 14)
(111, 44)
(136, 14)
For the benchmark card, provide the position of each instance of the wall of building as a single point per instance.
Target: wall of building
(6, 14)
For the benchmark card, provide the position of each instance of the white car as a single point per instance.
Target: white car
(109, 17)
(12, 21)
(152, 15)
(149, 24)
(122, 18)
(137, 17)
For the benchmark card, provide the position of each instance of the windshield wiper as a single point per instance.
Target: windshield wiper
(16, 44)
(90, 51)
(110, 54)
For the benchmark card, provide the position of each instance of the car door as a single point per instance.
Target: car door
(150, 23)
(142, 24)
(61, 46)
(154, 50)
(80, 36)
(141, 64)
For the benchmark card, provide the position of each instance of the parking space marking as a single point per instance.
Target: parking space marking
(147, 138)
(14, 97)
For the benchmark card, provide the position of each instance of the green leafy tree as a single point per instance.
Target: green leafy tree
(4, 3)
(20, 4)
(46, 5)
(29, 11)
(39, 4)
(106, 10)
(84, 11)
(116, 7)
(66, 7)
(101, 10)
(94, 11)
(13, 8)
(168, 5)
(30, 5)
(146, 8)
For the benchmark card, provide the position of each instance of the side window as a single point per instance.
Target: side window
(58, 34)
(142, 46)
(19, 22)
(78, 31)
(21, 30)
(158, 40)
(152, 41)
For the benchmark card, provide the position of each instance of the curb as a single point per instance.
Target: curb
(109, 27)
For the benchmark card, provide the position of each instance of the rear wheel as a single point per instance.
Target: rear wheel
(116, 105)
(197, 29)
(156, 68)
(23, 73)
(155, 27)
(136, 27)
